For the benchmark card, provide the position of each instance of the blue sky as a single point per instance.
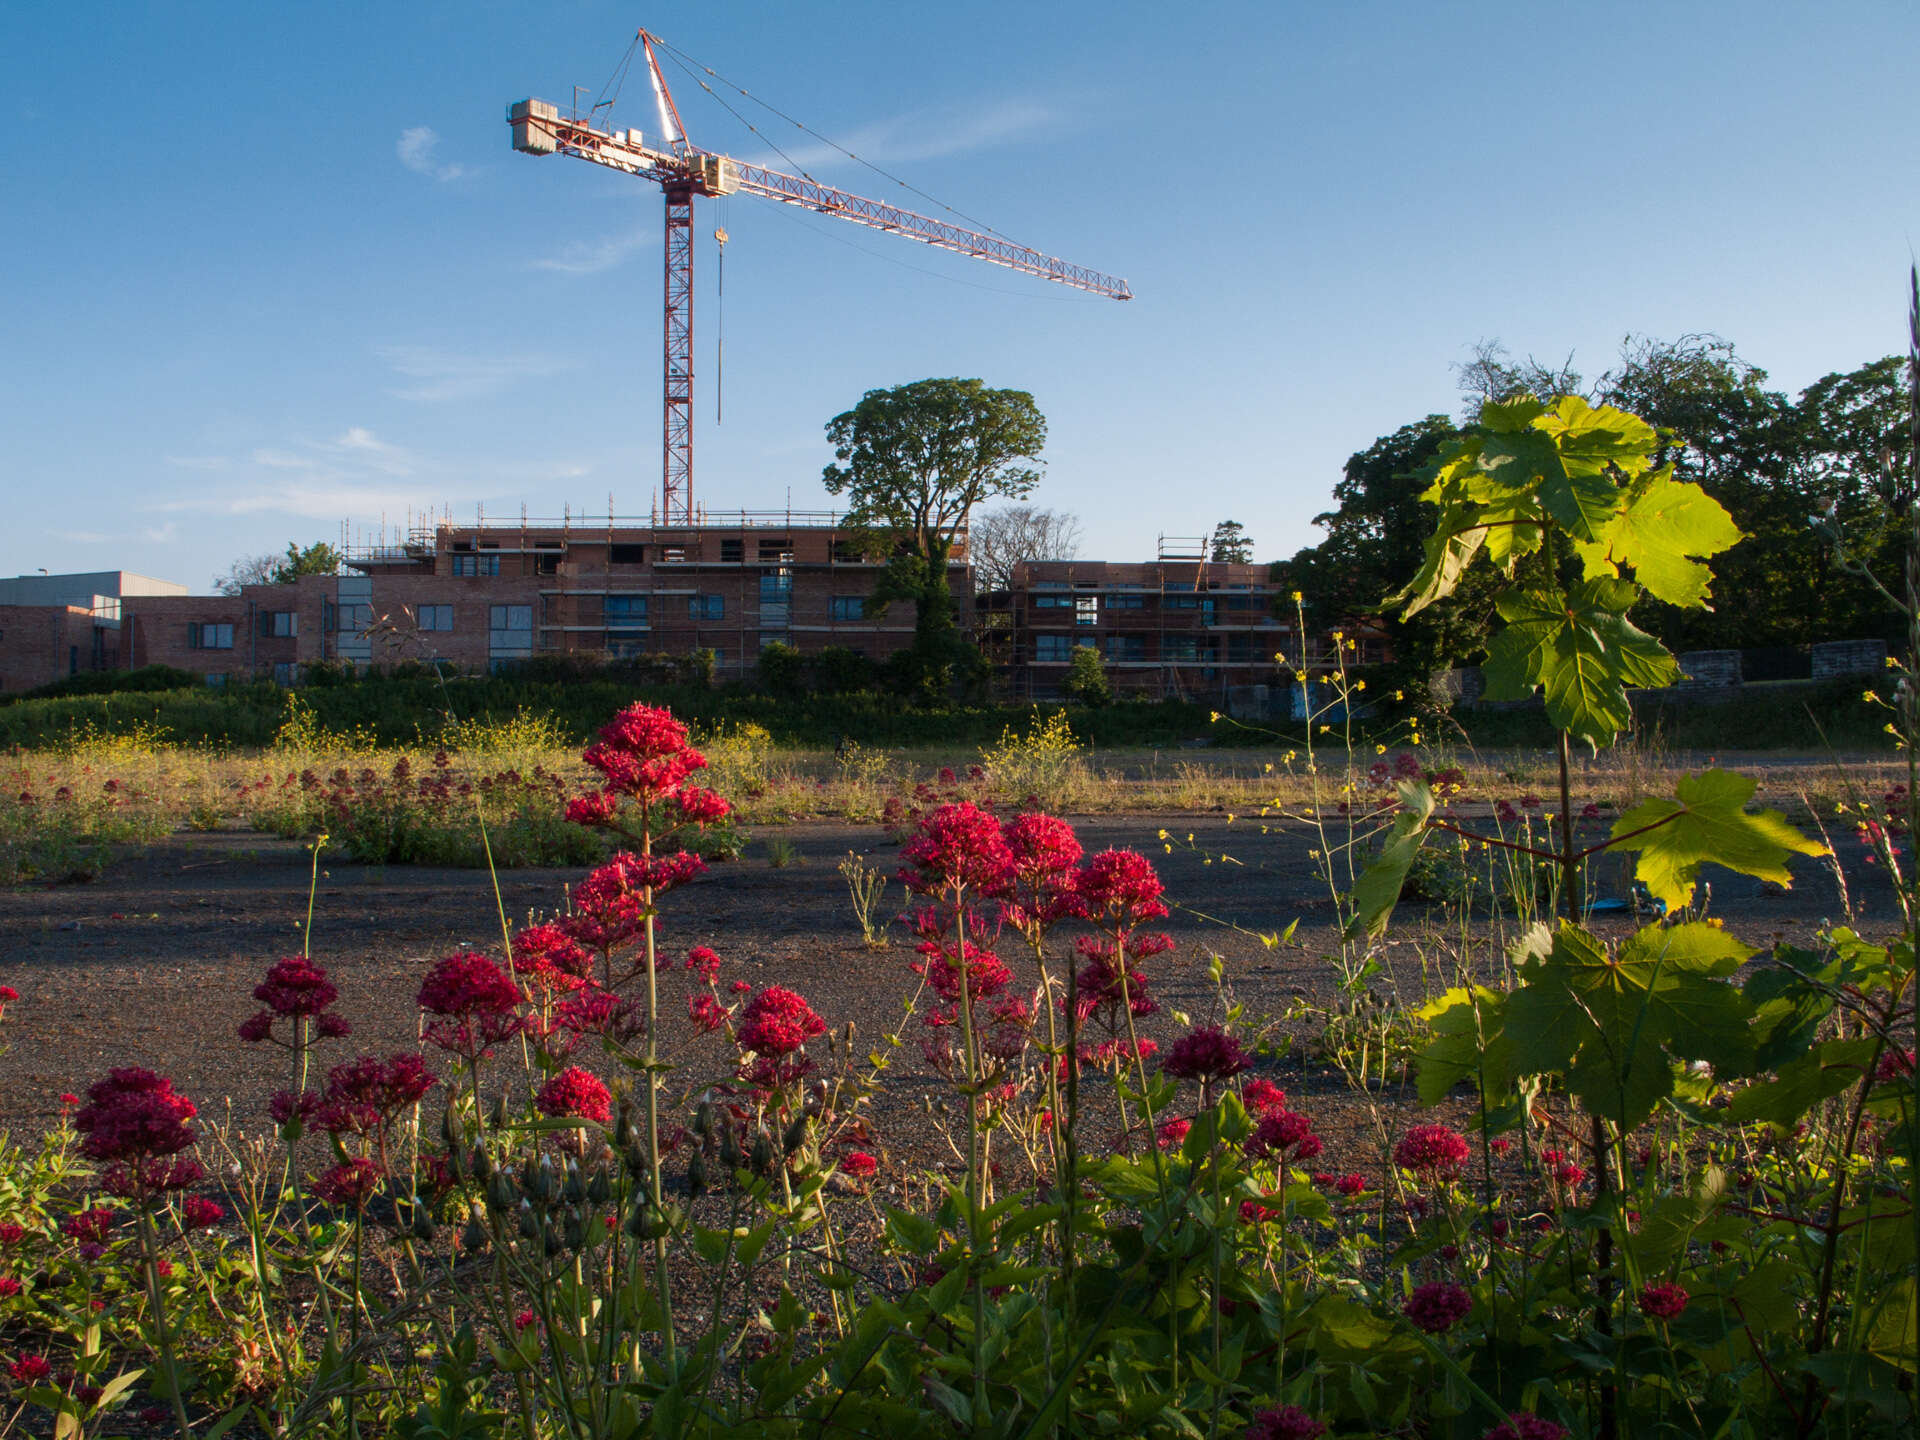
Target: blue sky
(275, 268)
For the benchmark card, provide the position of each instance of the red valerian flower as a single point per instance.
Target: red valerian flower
(858, 1164)
(985, 976)
(348, 1185)
(1351, 1185)
(365, 1096)
(1437, 1307)
(9, 1287)
(144, 1178)
(476, 1000)
(777, 1022)
(7, 996)
(1121, 885)
(1663, 1301)
(286, 1107)
(611, 906)
(294, 989)
(592, 1010)
(30, 1370)
(578, 1093)
(12, 1234)
(90, 1227)
(594, 809)
(957, 848)
(1101, 987)
(1432, 1150)
(1206, 1054)
(1172, 1131)
(1262, 1095)
(197, 1212)
(134, 1115)
(1895, 1064)
(706, 1013)
(703, 962)
(1283, 1135)
(1525, 1425)
(700, 807)
(1044, 851)
(547, 955)
(1289, 1422)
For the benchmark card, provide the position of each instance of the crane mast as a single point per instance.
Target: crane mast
(684, 171)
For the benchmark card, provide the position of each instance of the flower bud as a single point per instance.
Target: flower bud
(500, 1112)
(796, 1134)
(529, 1225)
(473, 1239)
(600, 1187)
(644, 1223)
(762, 1154)
(729, 1149)
(576, 1230)
(423, 1227)
(546, 1185)
(697, 1175)
(576, 1187)
(703, 1119)
(501, 1193)
(481, 1164)
(635, 1159)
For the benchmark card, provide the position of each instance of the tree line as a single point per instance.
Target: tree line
(1787, 468)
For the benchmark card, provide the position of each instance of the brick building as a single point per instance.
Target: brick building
(53, 627)
(478, 595)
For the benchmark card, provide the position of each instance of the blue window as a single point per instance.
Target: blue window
(625, 612)
(1053, 649)
(849, 607)
(706, 607)
(476, 564)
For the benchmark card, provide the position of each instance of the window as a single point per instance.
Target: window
(353, 619)
(1086, 610)
(476, 564)
(286, 674)
(511, 617)
(210, 635)
(546, 564)
(1126, 647)
(732, 552)
(626, 554)
(1053, 649)
(849, 607)
(217, 680)
(625, 612)
(280, 624)
(1126, 602)
(1187, 647)
(706, 607)
(776, 550)
(435, 617)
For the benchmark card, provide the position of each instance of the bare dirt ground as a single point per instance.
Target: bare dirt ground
(154, 963)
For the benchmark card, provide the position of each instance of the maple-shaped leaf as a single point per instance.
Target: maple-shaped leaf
(1582, 650)
(1615, 1022)
(1377, 890)
(1448, 554)
(1707, 820)
(1467, 1041)
(1664, 526)
(1590, 438)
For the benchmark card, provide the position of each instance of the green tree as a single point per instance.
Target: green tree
(1231, 544)
(318, 558)
(1087, 678)
(914, 461)
(1374, 541)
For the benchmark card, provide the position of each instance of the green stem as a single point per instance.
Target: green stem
(162, 1333)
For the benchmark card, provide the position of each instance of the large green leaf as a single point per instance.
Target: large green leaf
(1615, 1022)
(1707, 820)
(1468, 1042)
(1448, 555)
(1590, 438)
(1658, 532)
(1377, 890)
(1581, 648)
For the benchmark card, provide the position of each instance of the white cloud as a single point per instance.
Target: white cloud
(454, 375)
(929, 134)
(591, 257)
(415, 149)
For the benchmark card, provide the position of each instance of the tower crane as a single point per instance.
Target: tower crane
(683, 170)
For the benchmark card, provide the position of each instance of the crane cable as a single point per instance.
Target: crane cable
(685, 60)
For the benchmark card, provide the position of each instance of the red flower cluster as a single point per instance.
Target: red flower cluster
(777, 1022)
(644, 756)
(1663, 1301)
(134, 1123)
(1525, 1425)
(348, 1185)
(1288, 1422)
(577, 1093)
(477, 1002)
(295, 989)
(1121, 885)
(1262, 1095)
(985, 975)
(703, 962)
(1206, 1055)
(705, 1013)
(365, 1096)
(958, 848)
(30, 1370)
(1044, 851)
(858, 1165)
(551, 958)
(1437, 1307)
(90, 1227)
(7, 996)
(197, 1212)
(1173, 1131)
(1351, 1185)
(1283, 1135)
(611, 906)
(1433, 1151)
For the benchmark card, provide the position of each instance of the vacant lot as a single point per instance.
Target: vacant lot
(154, 963)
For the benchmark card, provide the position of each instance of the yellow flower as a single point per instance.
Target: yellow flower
(1298, 597)
(1229, 817)
(1289, 757)
(1163, 834)
(1325, 728)
(1359, 684)
(1339, 635)
(1213, 717)
(1869, 696)
(1379, 749)
(1398, 695)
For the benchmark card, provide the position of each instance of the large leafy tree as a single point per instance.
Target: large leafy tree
(1374, 541)
(914, 462)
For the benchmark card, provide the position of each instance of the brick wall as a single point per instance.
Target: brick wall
(43, 643)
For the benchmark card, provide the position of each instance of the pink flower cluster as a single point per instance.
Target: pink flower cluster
(1525, 1425)
(1206, 1054)
(477, 1004)
(365, 1096)
(1437, 1307)
(644, 756)
(135, 1124)
(777, 1022)
(1288, 1422)
(576, 1093)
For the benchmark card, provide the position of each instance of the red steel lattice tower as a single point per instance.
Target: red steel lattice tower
(676, 410)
